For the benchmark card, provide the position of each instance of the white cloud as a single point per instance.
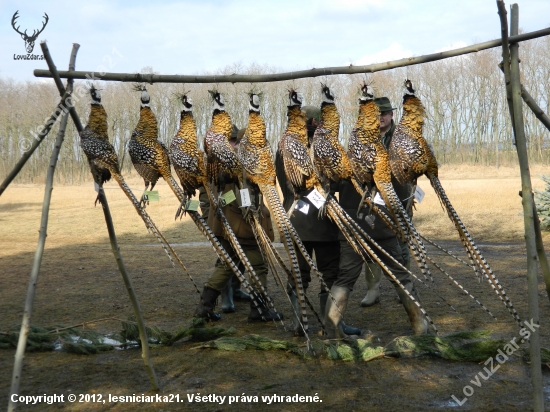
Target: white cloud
(394, 52)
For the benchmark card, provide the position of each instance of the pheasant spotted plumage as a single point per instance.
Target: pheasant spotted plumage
(411, 157)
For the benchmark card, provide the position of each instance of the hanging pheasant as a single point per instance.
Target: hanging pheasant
(411, 157)
(371, 168)
(257, 159)
(103, 162)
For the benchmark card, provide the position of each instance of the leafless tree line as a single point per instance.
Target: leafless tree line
(467, 114)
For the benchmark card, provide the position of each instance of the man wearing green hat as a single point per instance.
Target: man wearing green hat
(373, 271)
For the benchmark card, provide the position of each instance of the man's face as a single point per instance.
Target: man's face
(385, 119)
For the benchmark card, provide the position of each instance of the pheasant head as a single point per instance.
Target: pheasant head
(326, 95)
(145, 98)
(367, 93)
(254, 103)
(219, 102)
(295, 98)
(413, 109)
(96, 95)
(187, 103)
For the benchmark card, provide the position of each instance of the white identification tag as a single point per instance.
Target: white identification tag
(302, 207)
(316, 198)
(378, 200)
(419, 194)
(245, 198)
(96, 187)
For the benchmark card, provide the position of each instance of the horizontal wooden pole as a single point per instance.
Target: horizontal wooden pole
(327, 71)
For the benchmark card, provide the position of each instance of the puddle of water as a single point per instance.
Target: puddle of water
(445, 404)
(105, 340)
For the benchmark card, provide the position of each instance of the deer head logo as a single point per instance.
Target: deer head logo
(29, 40)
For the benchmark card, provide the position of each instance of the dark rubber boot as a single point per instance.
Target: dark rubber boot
(227, 299)
(266, 314)
(238, 294)
(205, 310)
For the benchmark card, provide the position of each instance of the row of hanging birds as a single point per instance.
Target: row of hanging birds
(313, 166)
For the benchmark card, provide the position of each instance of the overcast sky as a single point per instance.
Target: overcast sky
(195, 37)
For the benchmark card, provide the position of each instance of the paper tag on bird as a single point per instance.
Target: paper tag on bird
(245, 198)
(96, 187)
(227, 198)
(316, 198)
(151, 196)
(378, 200)
(419, 194)
(302, 207)
(192, 205)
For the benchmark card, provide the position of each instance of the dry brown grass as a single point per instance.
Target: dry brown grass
(485, 198)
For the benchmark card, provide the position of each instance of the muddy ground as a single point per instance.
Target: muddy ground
(79, 282)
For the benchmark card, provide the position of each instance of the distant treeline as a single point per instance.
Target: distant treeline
(467, 113)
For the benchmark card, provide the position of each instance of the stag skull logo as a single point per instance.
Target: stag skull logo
(29, 40)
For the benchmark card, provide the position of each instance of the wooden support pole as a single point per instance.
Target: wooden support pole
(535, 108)
(145, 354)
(276, 77)
(528, 204)
(31, 291)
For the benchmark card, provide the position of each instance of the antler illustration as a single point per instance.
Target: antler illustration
(29, 40)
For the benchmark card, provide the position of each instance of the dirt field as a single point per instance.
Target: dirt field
(79, 282)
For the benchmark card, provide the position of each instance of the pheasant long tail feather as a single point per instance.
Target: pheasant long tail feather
(472, 248)
(237, 247)
(417, 247)
(274, 256)
(274, 201)
(218, 248)
(345, 223)
(462, 288)
(279, 215)
(431, 242)
(151, 225)
(389, 222)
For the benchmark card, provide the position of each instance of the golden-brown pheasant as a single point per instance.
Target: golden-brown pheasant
(187, 158)
(411, 156)
(257, 159)
(329, 157)
(222, 161)
(149, 156)
(190, 165)
(94, 141)
(371, 164)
